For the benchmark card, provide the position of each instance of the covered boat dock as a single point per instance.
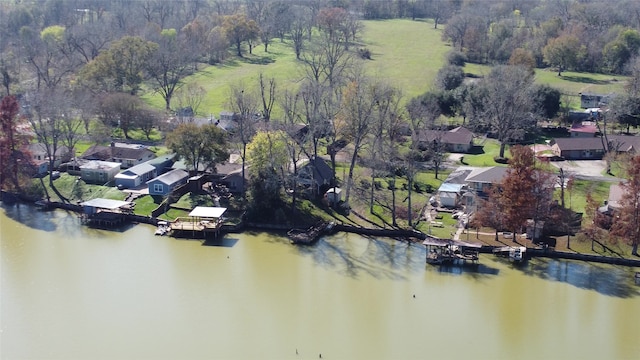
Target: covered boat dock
(105, 212)
(202, 221)
(446, 251)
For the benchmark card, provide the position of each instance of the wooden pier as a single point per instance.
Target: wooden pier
(310, 235)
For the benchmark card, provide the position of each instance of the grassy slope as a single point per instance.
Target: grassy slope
(570, 83)
(407, 53)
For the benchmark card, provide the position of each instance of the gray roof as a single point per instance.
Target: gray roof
(321, 170)
(459, 175)
(100, 152)
(140, 169)
(577, 143)
(162, 159)
(100, 165)
(171, 177)
(628, 143)
(489, 175)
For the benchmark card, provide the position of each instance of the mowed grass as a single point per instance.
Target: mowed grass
(570, 83)
(491, 149)
(408, 54)
(405, 53)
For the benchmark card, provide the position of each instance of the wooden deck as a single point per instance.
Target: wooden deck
(184, 227)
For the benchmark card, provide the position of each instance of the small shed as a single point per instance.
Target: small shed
(334, 195)
(449, 194)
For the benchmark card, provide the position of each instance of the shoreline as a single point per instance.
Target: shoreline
(397, 234)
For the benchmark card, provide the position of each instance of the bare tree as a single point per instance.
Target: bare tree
(244, 104)
(295, 139)
(191, 96)
(355, 119)
(169, 65)
(49, 55)
(268, 95)
(508, 105)
(300, 23)
(49, 109)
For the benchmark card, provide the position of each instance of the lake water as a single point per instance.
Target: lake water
(71, 292)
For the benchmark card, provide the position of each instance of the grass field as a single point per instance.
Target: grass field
(406, 53)
(570, 83)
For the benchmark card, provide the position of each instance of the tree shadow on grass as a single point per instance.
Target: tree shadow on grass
(585, 80)
(476, 150)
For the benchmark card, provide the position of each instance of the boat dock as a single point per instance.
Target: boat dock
(202, 222)
(514, 253)
(310, 235)
(451, 252)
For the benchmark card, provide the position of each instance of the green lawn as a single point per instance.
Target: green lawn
(576, 199)
(145, 205)
(491, 149)
(406, 53)
(572, 83)
(77, 190)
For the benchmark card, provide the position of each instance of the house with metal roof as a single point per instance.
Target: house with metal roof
(135, 176)
(165, 183)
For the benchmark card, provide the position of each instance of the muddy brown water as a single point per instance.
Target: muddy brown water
(71, 292)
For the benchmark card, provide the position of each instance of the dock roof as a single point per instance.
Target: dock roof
(105, 203)
(444, 242)
(207, 212)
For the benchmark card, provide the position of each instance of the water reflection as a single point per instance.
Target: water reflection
(606, 280)
(224, 241)
(476, 271)
(29, 216)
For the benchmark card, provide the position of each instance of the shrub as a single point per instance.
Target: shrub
(365, 53)
(364, 184)
(417, 187)
(457, 58)
(501, 160)
(378, 184)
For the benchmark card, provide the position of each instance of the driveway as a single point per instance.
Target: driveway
(585, 169)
